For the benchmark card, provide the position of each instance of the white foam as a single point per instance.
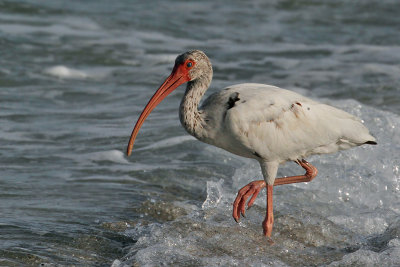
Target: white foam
(65, 73)
(110, 155)
(388, 257)
(173, 141)
(365, 224)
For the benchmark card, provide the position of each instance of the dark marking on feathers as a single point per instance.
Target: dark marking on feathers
(371, 143)
(295, 110)
(256, 154)
(298, 103)
(232, 100)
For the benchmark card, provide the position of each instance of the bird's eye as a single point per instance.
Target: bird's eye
(189, 64)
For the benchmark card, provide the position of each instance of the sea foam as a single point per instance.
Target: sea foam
(65, 73)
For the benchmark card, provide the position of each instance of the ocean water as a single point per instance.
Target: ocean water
(74, 76)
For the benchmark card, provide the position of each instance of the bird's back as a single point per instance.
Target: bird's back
(266, 122)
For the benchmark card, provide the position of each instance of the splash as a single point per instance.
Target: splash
(214, 194)
(348, 215)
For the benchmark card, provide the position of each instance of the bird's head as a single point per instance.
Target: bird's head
(193, 64)
(188, 67)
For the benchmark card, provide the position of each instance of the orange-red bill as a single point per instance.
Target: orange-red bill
(176, 78)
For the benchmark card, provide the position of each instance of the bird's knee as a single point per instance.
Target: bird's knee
(312, 173)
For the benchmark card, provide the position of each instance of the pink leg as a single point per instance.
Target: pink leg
(269, 217)
(310, 174)
(254, 188)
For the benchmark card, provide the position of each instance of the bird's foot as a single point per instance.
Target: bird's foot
(267, 225)
(239, 205)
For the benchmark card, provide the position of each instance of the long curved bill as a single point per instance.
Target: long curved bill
(170, 84)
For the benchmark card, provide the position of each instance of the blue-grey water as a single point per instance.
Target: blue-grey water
(74, 76)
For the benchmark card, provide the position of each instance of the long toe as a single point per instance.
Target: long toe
(239, 205)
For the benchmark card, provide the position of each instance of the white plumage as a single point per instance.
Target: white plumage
(264, 122)
(275, 124)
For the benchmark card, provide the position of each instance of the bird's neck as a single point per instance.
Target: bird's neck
(191, 119)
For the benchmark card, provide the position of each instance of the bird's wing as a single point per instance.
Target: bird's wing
(276, 124)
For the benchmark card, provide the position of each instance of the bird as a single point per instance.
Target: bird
(258, 121)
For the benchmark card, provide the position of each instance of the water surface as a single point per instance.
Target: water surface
(74, 77)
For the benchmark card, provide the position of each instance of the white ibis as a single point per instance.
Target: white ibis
(262, 122)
